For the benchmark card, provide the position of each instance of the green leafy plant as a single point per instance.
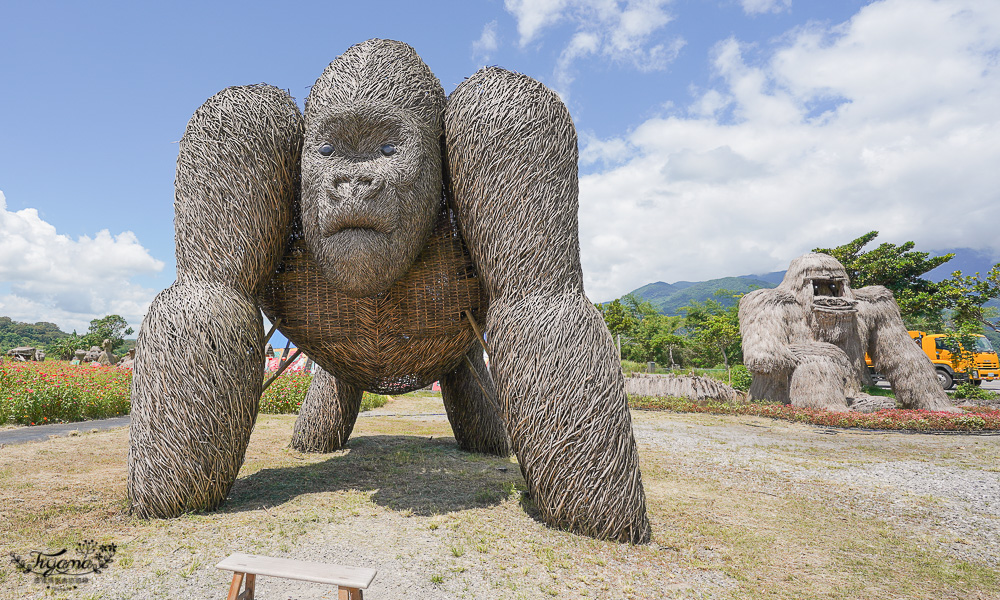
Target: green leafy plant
(741, 378)
(968, 391)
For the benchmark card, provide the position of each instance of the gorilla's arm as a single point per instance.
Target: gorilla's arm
(764, 327)
(199, 358)
(895, 355)
(512, 158)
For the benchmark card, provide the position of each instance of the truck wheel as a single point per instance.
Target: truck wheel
(945, 379)
(977, 382)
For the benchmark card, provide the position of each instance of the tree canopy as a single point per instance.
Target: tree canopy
(14, 333)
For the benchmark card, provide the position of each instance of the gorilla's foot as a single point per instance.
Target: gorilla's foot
(197, 380)
(470, 400)
(327, 416)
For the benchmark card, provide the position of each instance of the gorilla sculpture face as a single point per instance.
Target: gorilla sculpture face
(820, 282)
(371, 167)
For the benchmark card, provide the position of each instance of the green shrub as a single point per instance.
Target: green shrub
(741, 378)
(972, 392)
(372, 401)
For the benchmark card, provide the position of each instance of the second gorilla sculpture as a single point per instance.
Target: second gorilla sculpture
(417, 216)
(805, 341)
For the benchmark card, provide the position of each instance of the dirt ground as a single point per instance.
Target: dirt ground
(740, 507)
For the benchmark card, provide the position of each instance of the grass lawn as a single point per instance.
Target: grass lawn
(440, 523)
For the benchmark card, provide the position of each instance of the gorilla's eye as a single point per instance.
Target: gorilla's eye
(326, 149)
(387, 150)
(833, 289)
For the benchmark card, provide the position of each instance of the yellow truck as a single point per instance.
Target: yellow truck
(937, 347)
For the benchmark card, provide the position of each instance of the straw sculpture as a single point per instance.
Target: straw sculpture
(512, 157)
(395, 233)
(805, 341)
(680, 386)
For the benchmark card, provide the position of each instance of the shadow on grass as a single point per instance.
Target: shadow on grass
(425, 476)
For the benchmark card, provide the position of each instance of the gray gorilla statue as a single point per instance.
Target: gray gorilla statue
(805, 341)
(378, 232)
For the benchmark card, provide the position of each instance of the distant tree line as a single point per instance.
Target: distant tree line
(60, 344)
(14, 334)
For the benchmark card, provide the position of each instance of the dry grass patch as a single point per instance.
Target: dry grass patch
(438, 522)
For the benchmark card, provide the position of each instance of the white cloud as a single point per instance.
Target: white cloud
(886, 122)
(486, 45)
(620, 31)
(534, 15)
(50, 277)
(756, 7)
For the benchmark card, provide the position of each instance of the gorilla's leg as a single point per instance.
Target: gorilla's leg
(474, 417)
(200, 355)
(328, 414)
(823, 378)
(512, 159)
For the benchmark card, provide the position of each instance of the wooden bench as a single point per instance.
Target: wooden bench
(349, 580)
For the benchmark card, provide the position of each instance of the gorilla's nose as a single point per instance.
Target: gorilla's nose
(359, 188)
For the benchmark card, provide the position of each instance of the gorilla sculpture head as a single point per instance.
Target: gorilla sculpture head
(371, 165)
(821, 282)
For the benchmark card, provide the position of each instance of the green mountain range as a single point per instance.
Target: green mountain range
(668, 298)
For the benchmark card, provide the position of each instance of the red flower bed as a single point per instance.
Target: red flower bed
(979, 419)
(55, 391)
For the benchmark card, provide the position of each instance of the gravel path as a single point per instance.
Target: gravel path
(927, 485)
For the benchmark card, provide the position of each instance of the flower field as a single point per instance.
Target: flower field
(913, 420)
(57, 392)
(286, 394)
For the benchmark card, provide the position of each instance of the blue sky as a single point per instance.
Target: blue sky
(717, 137)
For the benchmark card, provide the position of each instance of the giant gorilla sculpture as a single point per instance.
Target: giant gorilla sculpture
(419, 216)
(805, 341)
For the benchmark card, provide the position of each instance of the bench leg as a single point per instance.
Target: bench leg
(234, 589)
(349, 594)
(248, 589)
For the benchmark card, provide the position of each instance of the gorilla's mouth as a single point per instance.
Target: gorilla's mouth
(834, 304)
(356, 225)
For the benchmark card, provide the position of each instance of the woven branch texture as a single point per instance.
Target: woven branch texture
(805, 341)
(512, 156)
(372, 265)
(198, 370)
(327, 415)
(680, 386)
(197, 381)
(470, 400)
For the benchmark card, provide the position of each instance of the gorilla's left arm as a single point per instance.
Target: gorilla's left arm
(512, 157)
(894, 354)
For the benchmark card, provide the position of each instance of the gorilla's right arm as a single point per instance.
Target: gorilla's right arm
(512, 159)
(764, 326)
(199, 360)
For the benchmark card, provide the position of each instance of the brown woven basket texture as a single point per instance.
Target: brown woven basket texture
(396, 341)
